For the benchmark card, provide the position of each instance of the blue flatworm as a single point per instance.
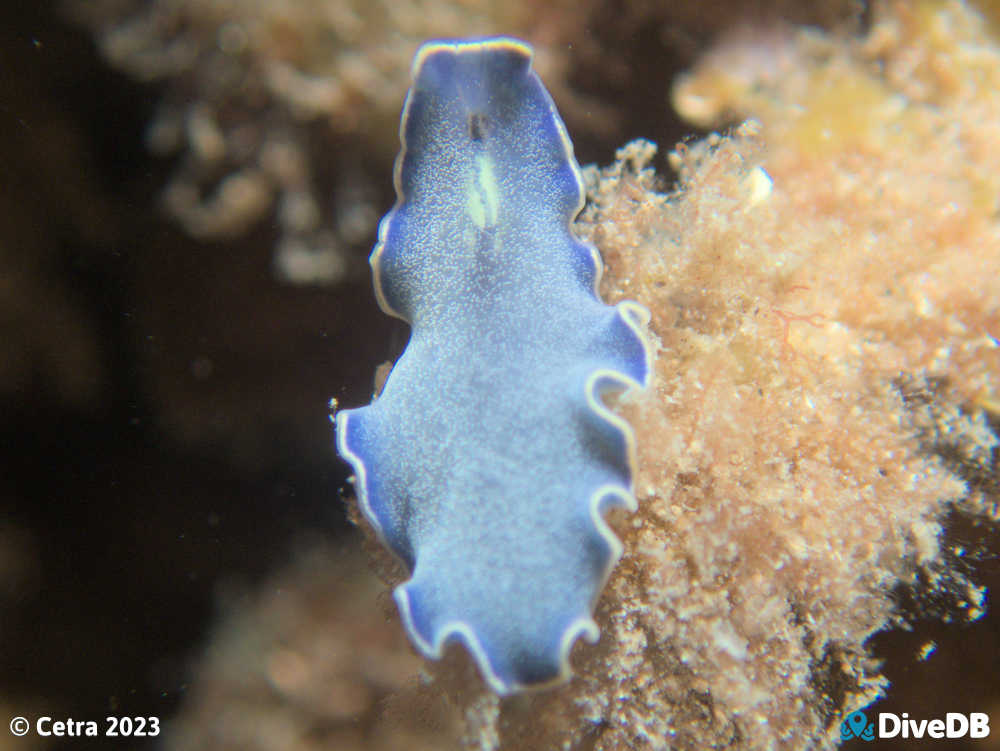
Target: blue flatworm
(489, 457)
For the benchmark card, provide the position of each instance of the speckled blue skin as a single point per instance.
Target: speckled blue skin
(488, 458)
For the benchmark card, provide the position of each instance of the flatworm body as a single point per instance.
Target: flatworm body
(489, 457)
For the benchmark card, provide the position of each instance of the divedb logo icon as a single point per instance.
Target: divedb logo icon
(890, 725)
(857, 726)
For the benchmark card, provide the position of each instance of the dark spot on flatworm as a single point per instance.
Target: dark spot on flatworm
(477, 126)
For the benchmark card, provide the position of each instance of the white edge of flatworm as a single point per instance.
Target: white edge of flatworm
(635, 316)
(360, 478)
